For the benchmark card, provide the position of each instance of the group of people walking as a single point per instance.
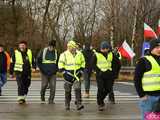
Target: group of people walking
(75, 63)
(72, 63)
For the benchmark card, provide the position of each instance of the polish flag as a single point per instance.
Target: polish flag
(149, 32)
(126, 51)
(158, 30)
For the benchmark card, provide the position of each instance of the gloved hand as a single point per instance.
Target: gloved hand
(61, 70)
(80, 71)
(68, 77)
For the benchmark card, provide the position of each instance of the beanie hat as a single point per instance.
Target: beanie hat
(52, 43)
(105, 44)
(154, 43)
(72, 44)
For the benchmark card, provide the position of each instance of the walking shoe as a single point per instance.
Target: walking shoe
(101, 107)
(111, 98)
(86, 95)
(51, 102)
(42, 98)
(111, 101)
(67, 107)
(21, 101)
(80, 107)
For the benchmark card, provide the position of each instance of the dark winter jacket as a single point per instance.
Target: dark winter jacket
(47, 68)
(3, 62)
(143, 65)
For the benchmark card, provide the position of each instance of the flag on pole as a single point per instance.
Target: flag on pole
(126, 51)
(149, 32)
(158, 29)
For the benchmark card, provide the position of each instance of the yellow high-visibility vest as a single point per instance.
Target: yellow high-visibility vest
(70, 62)
(151, 79)
(19, 60)
(104, 64)
(44, 60)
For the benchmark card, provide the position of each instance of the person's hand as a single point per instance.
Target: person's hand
(144, 98)
(11, 77)
(33, 70)
(63, 72)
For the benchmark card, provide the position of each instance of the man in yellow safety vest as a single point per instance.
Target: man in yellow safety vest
(22, 62)
(147, 79)
(72, 63)
(105, 64)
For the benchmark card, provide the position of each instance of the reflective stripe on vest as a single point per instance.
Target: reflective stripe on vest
(19, 60)
(44, 57)
(151, 79)
(104, 64)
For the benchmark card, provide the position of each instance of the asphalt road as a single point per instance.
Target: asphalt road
(126, 107)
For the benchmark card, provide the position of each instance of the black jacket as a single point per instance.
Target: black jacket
(143, 65)
(88, 53)
(3, 62)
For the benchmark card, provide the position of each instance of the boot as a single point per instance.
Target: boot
(86, 94)
(51, 102)
(111, 98)
(80, 107)
(101, 106)
(22, 101)
(67, 106)
(42, 99)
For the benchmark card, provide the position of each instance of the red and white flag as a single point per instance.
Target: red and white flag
(158, 29)
(149, 32)
(126, 51)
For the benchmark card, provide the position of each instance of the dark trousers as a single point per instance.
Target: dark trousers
(23, 82)
(3, 80)
(111, 95)
(51, 80)
(104, 84)
(86, 77)
(68, 89)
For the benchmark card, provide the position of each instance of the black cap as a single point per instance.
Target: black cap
(52, 43)
(154, 43)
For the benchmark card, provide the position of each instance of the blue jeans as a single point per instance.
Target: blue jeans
(3, 79)
(147, 105)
